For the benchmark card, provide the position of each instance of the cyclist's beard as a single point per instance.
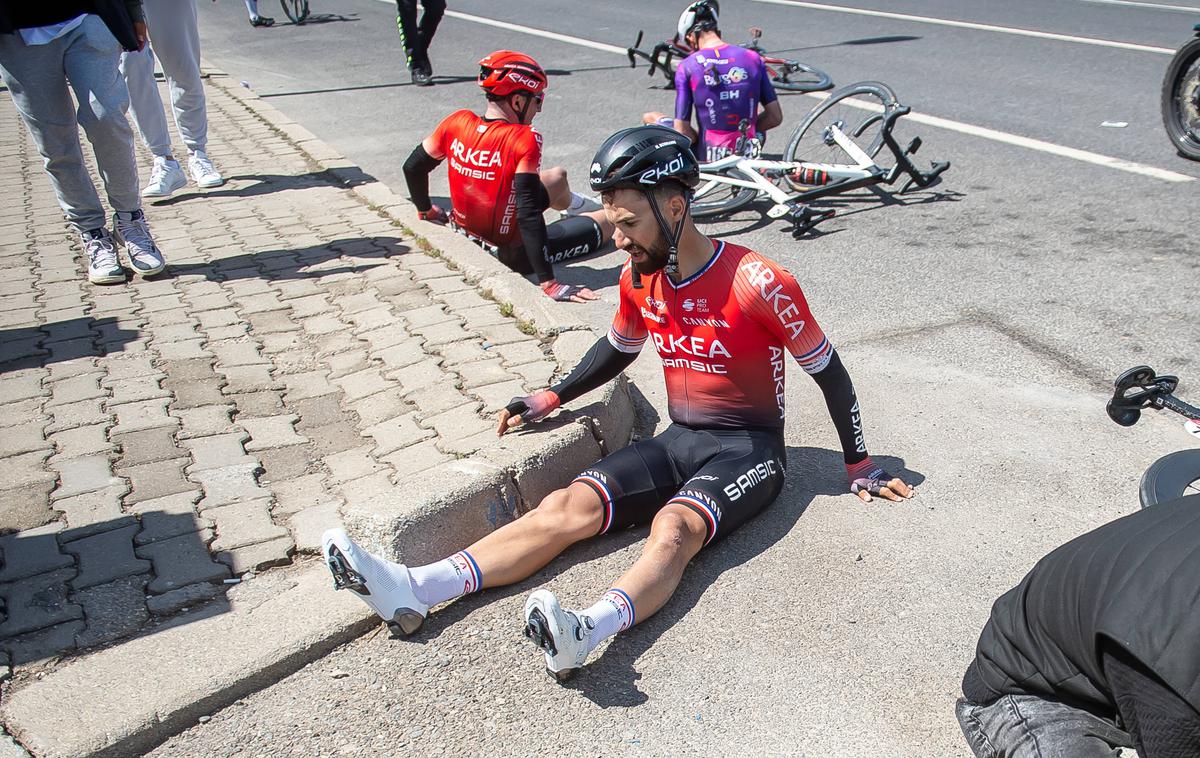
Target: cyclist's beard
(655, 256)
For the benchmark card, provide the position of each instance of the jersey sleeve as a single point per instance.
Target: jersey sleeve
(628, 331)
(683, 92)
(771, 296)
(528, 152)
(445, 132)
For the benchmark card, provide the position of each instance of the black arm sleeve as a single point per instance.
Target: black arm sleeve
(531, 202)
(416, 173)
(601, 364)
(835, 384)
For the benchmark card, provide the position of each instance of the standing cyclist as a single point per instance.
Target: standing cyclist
(416, 36)
(497, 188)
(723, 319)
(726, 85)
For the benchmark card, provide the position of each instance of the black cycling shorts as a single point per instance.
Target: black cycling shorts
(725, 475)
(567, 238)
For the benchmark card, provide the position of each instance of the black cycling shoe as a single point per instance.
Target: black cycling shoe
(262, 21)
(422, 76)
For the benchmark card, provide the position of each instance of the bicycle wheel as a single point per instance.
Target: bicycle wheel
(1181, 100)
(715, 198)
(794, 76)
(857, 110)
(1171, 477)
(296, 10)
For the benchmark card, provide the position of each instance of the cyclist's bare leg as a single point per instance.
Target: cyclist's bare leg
(676, 535)
(518, 549)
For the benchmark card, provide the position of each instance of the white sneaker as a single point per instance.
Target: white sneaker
(134, 233)
(383, 585)
(165, 178)
(103, 265)
(563, 635)
(204, 173)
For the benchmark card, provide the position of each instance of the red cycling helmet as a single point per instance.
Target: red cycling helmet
(504, 72)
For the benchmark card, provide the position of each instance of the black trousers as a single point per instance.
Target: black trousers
(414, 35)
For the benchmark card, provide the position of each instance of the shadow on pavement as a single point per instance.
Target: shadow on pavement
(106, 582)
(35, 346)
(386, 85)
(264, 184)
(295, 263)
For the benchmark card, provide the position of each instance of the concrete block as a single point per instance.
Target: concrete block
(243, 524)
(136, 388)
(181, 599)
(272, 322)
(153, 480)
(183, 350)
(166, 517)
(326, 323)
(381, 406)
(535, 375)
(300, 493)
(427, 316)
(27, 506)
(346, 362)
(400, 355)
(94, 512)
(37, 603)
(306, 385)
(121, 367)
(210, 320)
(42, 644)
(73, 415)
(366, 488)
(459, 353)
(197, 672)
(106, 556)
(33, 551)
(310, 305)
(143, 414)
(544, 460)
(217, 451)
(24, 385)
(112, 611)
(396, 433)
(372, 318)
(248, 379)
(196, 393)
(91, 439)
(496, 396)
(75, 389)
(271, 432)
(25, 438)
(309, 524)
(262, 403)
(282, 464)
(88, 473)
(204, 421)
(180, 561)
(459, 423)
(259, 556)
(351, 464)
(444, 333)
(229, 485)
(68, 369)
(415, 460)
(502, 334)
(148, 446)
(419, 376)
(363, 384)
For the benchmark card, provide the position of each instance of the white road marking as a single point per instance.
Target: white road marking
(976, 131)
(1153, 6)
(972, 25)
(1028, 142)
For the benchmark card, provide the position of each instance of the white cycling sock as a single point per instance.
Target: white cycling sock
(447, 579)
(252, 8)
(614, 613)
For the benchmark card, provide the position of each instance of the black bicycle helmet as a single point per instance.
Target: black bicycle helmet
(642, 157)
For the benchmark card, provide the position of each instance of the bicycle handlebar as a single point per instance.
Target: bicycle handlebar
(1139, 388)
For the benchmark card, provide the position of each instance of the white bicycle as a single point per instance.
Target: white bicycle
(832, 151)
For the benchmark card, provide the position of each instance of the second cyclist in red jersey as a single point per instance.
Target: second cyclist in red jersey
(498, 190)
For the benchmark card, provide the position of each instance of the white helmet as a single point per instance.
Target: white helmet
(698, 16)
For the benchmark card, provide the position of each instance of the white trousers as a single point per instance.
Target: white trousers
(175, 39)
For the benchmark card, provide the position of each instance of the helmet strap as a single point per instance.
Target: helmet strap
(672, 235)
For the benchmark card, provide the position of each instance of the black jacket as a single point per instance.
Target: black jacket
(1134, 582)
(118, 15)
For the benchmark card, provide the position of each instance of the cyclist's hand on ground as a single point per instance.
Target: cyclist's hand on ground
(868, 479)
(533, 407)
(567, 293)
(435, 215)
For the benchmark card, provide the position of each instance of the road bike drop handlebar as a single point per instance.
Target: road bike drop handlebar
(1171, 476)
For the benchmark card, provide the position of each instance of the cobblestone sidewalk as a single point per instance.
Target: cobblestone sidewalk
(163, 436)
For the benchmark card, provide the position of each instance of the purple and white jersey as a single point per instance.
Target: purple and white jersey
(726, 84)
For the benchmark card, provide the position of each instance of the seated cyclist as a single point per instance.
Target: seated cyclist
(725, 83)
(498, 191)
(718, 464)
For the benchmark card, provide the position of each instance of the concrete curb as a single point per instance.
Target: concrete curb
(104, 704)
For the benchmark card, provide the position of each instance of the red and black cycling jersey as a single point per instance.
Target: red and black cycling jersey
(484, 156)
(723, 335)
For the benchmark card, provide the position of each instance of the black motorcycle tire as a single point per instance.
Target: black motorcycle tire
(1181, 100)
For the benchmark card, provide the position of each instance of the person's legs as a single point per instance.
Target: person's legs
(145, 104)
(410, 32)
(35, 80)
(176, 38)
(1025, 726)
(431, 16)
(577, 236)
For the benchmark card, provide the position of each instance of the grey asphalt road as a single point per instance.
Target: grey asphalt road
(981, 319)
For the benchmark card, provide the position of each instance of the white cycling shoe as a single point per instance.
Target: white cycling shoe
(563, 635)
(383, 585)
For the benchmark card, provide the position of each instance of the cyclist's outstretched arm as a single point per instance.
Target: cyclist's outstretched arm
(769, 117)
(424, 158)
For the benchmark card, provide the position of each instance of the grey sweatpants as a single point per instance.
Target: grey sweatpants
(39, 78)
(175, 39)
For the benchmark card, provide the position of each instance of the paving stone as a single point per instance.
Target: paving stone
(248, 378)
(243, 524)
(112, 611)
(324, 324)
(415, 460)
(186, 370)
(536, 375)
(363, 384)
(74, 415)
(94, 512)
(143, 414)
(136, 389)
(459, 423)
(374, 318)
(316, 413)
(396, 433)
(82, 440)
(351, 464)
(359, 302)
(171, 516)
(204, 420)
(258, 404)
(502, 334)
(125, 334)
(366, 488)
(86, 473)
(389, 336)
(66, 369)
(181, 599)
(344, 364)
(306, 385)
(24, 438)
(229, 485)
(297, 494)
(419, 376)
(261, 303)
(168, 333)
(271, 432)
(39, 645)
(106, 556)
(460, 302)
(496, 396)
(294, 288)
(153, 480)
(34, 551)
(459, 353)
(217, 451)
(447, 285)
(310, 305)
(196, 393)
(27, 506)
(402, 355)
(227, 333)
(26, 468)
(37, 603)
(148, 445)
(21, 412)
(520, 353)
(310, 524)
(169, 302)
(379, 407)
(259, 556)
(214, 319)
(427, 316)
(285, 463)
(209, 302)
(181, 561)
(272, 322)
(467, 445)
(238, 353)
(58, 328)
(445, 333)
(184, 350)
(484, 373)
